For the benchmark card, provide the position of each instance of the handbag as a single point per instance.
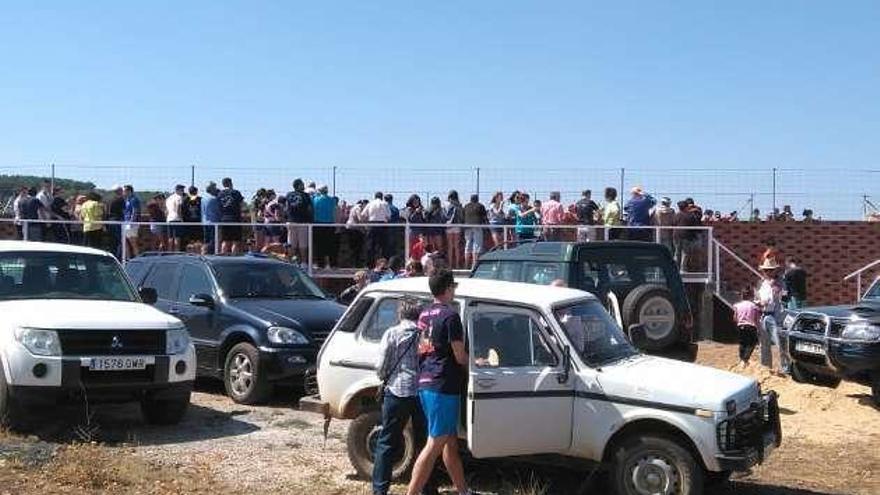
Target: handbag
(380, 392)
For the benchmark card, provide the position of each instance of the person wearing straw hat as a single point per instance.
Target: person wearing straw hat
(770, 301)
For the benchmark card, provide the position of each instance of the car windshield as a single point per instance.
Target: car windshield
(47, 275)
(266, 280)
(593, 333)
(873, 293)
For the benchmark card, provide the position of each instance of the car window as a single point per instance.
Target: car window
(383, 318)
(541, 273)
(50, 275)
(590, 276)
(618, 273)
(136, 272)
(356, 314)
(161, 278)
(505, 339)
(193, 280)
(592, 332)
(509, 271)
(873, 293)
(487, 269)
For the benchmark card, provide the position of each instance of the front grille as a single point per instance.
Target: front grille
(811, 324)
(319, 336)
(743, 431)
(112, 342)
(89, 377)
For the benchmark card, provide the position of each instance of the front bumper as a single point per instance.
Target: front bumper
(842, 358)
(749, 437)
(287, 364)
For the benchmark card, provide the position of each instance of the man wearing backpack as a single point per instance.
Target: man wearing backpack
(299, 211)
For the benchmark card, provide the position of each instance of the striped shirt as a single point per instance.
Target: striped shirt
(399, 348)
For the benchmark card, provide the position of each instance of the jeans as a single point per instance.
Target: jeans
(396, 412)
(768, 335)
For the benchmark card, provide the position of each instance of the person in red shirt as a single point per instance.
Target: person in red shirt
(418, 248)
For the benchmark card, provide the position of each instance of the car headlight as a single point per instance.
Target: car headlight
(861, 331)
(284, 335)
(788, 322)
(39, 342)
(177, 341)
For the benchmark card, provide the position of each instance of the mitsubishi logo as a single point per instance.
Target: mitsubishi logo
(116, 343)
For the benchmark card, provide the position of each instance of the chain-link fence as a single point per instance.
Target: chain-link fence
(831, 193)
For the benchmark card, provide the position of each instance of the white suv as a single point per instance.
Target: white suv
(74, 328)
(558, 378)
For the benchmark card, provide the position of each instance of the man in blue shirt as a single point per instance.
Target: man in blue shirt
(131, 213)
(210, 215)
(324, 207)
(638, 214)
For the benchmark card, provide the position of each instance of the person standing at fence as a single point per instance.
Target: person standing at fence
(131, 213)
(497, 216)
(325, 238)
(684, 237)
(664, 217)
(436, 217)
(586, 211)
(398, 370)
(61, 211)
(92, 213)
(16, 211)
(174, 215)
(158, 228)
(230, 201)
(441, 379)
(29, 209)
(377, 212)
(474, 214)
(116, 213)
(45, 213)
(299, 212)
(795, 279)
(192, 213)
(210, 216)
(525, 218)
(454, 218)
(638, 214)
(553, 214)
(355, 233)
(611, 213)
(414, 215)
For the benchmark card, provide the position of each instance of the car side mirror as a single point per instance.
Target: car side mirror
(566, 365)
(638, 335)
(202, 300)
(148, 295)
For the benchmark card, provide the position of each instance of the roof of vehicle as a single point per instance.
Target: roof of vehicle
(48, 247)
(517, 292)
(560, 251)
(213, 259)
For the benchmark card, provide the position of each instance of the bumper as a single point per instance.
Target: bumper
(32, 396)
(282, 364)
(748, 438)
(314, 404)
(842, 358)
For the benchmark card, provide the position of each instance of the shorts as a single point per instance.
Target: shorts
(231, 233)
(298, 237)
(453, 230)
(131, 231)
(175, 231)
(441, 411)
(473, 241)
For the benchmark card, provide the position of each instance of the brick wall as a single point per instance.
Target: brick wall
(829, 251)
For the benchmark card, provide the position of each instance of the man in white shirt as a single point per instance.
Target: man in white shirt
(174, 212)
(377, 211)
(16, 210)
(355, 234)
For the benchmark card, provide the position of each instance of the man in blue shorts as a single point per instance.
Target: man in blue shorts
(442, 362)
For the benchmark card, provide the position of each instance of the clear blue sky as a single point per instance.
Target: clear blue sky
(566, 93)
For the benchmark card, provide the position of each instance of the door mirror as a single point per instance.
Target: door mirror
(566, 365)
(202, 300)
(637, 335)
(148, 295)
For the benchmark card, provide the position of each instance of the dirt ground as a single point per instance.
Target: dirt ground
(830, 447)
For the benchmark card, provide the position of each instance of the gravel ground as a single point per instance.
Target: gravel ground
(222, 447)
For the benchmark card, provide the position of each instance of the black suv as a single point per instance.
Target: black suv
(830, 343)
(255, 321)
(642, 275)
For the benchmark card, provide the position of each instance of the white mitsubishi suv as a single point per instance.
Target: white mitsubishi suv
(553, 377)
(74, 329)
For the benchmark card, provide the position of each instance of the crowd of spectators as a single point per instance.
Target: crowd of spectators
(450, 232)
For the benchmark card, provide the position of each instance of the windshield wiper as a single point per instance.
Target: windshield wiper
(304, 296)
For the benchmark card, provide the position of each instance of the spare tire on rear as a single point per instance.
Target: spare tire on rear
(654, 307)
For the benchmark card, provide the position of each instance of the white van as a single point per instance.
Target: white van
(565, 383)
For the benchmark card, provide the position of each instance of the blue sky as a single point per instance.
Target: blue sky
(539, 95)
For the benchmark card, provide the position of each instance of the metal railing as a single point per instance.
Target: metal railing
(858, 276)
(400, 235)
(720, 249)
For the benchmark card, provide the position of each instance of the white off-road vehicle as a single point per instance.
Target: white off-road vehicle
(557, 379)
(74, 329)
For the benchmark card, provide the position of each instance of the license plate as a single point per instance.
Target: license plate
(118, 363)
(809, 348)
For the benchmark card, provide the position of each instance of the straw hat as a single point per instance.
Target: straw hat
(769, 264)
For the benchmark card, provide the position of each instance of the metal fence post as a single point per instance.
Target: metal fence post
(478, 181)
(311, 256)
(24, 230)
(52, 171)
(773, 211)
(216, 238)
(406, 241)
(622, 182)
(192, 175)
(333, 179)
(124, 244)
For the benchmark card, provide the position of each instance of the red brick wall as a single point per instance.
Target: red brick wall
(829, 251)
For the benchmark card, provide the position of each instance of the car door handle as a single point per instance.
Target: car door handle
(486, 382)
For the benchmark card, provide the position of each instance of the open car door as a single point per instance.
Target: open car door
(520, 398)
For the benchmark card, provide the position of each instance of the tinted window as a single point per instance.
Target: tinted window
(383, 318)
(356, 314)
(504, 339)
(161, 278)
(542, 273)
(136, 272)
(265, 280)
(873, 292)
(43, 275)
(488, 269)
(193, 280)
(509, 271)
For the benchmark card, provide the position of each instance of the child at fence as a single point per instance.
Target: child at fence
(746, 313)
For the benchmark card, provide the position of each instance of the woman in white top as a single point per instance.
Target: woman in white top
(770, 301)
(497, 216)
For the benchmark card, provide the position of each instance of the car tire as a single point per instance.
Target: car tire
(653, 306)
(655, 464)
(243, 377)
(11, 413)
(801, 375)
(165, 411)
(361, 441)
